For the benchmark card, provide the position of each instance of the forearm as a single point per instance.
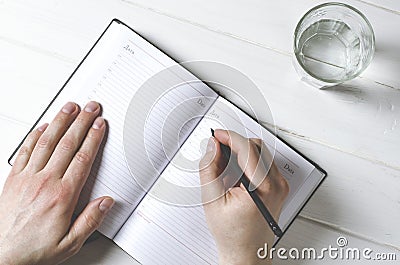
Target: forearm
(242, 256)
(240, 260)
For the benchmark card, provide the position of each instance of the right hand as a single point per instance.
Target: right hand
(234, 220)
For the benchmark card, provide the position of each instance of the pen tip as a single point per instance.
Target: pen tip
(212, 132)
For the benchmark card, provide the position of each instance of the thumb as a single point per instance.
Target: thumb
(211, 168)
(87, 222)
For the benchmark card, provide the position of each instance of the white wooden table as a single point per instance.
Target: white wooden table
(352, 131)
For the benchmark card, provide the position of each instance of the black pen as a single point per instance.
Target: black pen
(226, 151)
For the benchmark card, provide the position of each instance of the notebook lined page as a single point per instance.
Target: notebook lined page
(114, 74)
(159, 225)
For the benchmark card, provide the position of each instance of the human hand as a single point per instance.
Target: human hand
(234, 220)
(42, 190)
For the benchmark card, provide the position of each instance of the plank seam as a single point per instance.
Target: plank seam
(37, 49)
(345, 231)
(305, 138)
(380, 7)
(225, 33)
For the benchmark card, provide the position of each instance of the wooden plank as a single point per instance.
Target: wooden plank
(330, 204)
(372, 190)
(362, 108)
(357, 196)
(306, 234)
(356, 191)
(389, 5)
(11, 133)
(101, 251)
(29, 80)
(270, 24)
(359, 119)
(303, 234)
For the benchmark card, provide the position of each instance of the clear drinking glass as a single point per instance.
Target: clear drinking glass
(333, 43)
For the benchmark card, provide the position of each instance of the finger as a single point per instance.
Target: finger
(72, 139)
(87, 222)
(81, 164)
(269, 165)
(267, 157)
(26, 149)
(264, 151)
(232, 173)
(212, 186)
(275, 182)
(231, 180)
(248, 155)
(49, 139)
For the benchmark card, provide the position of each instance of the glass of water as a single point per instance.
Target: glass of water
(333, 43)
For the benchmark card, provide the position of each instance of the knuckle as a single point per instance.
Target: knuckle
(31, 136)
(25, 150)
(61, 119)
(72, 244)
(257, 141)
(281, 184)
(91, 222)
(83, 157)
(266, 187)
(81, 120)
(219, 167)
(204, 161)
(44, 141)
(91, 134)
(207, 162)
(46, 175)
(74, 247)
(253, 146)
(60, 200)
(264, 149)
(79, 176)
(209, 170)
(95, 136)
(68, 144)
(284, 186)
(65, 192)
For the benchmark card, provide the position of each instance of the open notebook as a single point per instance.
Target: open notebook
(148, 161)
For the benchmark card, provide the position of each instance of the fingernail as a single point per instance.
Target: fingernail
(98, 123)
(42, 127)
(210, 145)
(69, 108)
(91, 106)
(106, 205)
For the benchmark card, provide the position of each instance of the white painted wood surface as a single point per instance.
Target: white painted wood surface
(351, 131)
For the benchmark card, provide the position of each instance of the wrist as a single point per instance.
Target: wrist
(243, 259)
(247, 262)
(249, 254)
(4, 260)
(10, 256)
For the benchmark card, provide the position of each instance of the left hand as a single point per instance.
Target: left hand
(41, 192)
